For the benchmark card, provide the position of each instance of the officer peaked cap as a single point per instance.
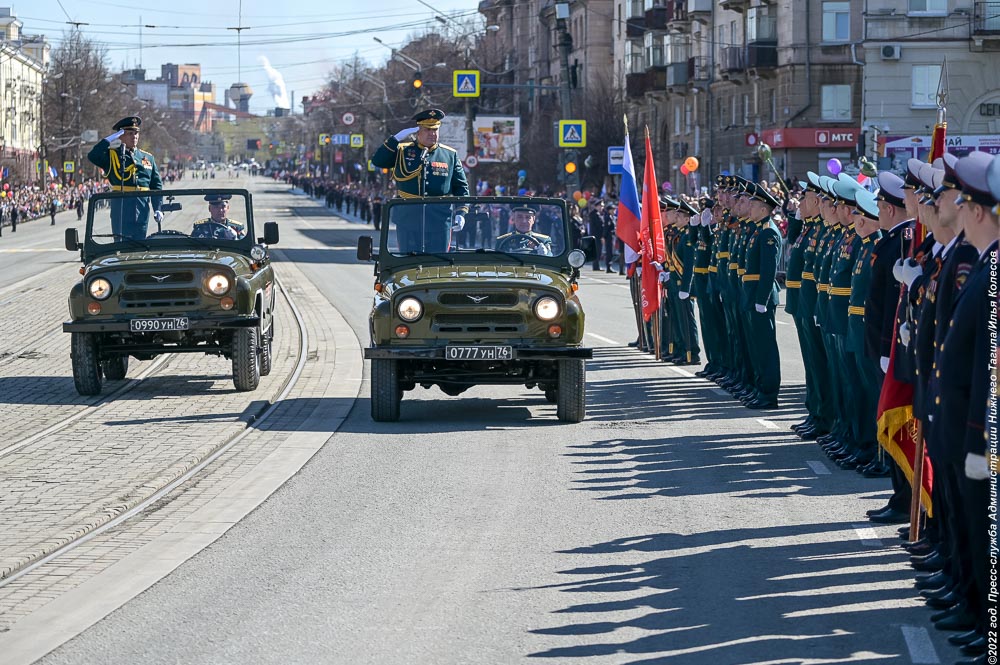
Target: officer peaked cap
(131, 122)
(215, 198)
(972, 176)
(431, 118)
(890, 188)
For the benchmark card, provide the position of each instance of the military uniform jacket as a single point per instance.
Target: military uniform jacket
(762, 253)
(951, 385)
(702, 260)
(438, 173)
(880, 308)
(830, 252)
(124, 170)
(923, 294)
(905, 365)
(840, 282)
(719, 277)
(686, 248)
(810, 265)
(737, 258)
(861, 277)
(977, 297)
(796, 262)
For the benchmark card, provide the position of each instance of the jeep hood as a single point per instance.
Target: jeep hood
(477, 276)
(153, 259)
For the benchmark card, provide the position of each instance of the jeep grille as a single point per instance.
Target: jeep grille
(467, 299)
(166, 277)
(479, 323)
(150, 298)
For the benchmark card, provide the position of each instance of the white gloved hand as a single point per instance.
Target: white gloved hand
(658, 266)
(683, 295)
(897, 268)
(706, 217)
(114, 137)
(976, 467)
(399, 136)
(664, 277)
(904, 334)
(910, 271)
(694, 220)
(883, 362)
(761, 309)
(458, 223)
(158, 216)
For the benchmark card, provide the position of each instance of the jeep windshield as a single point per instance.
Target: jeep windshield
(213, 218)
(449, 228)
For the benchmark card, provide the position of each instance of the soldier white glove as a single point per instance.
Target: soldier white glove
(406, 132)
(114, 137)
(158, 216)
(976, 467)
(658, 266)
(706, 217)
(904, 334)
(458, 223)
(897, 268)
(883, 362)
(694, 220)
(683, 295)
(761, 309)
(664, 277)
(909, 272)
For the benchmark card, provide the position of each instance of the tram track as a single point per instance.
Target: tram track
(130, 509)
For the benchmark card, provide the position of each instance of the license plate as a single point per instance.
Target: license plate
(159, 325)
(478, 352)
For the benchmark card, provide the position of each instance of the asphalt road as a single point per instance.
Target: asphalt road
(672, 526)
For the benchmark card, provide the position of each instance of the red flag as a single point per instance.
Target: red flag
(652, 238)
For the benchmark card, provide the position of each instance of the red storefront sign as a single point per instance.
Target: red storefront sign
(812, 137)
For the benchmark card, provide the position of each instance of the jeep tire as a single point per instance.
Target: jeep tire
(86, 366)
(265, 351)
(115, 368)
(246, 358)
(571, 395)
(385, 391)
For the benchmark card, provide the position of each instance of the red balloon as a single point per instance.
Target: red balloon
(684, 169)
(588, 194)
(6, 186)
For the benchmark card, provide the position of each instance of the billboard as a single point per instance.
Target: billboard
(897, 149)
(498, 138)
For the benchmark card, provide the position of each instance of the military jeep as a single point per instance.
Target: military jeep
(491, 303)
(175, 271)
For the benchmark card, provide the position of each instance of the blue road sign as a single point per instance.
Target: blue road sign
(572, 133)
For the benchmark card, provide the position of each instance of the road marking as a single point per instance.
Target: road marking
(867, 536)
(918, 642)
(682, 372)
(767, 423)
(604, 339)
(818, 468)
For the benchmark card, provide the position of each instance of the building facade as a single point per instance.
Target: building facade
(179, 88)
(23, 62)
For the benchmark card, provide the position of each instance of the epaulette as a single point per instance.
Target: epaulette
(447, 147)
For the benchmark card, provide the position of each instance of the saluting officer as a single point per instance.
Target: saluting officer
(128, 169)
(422, 167)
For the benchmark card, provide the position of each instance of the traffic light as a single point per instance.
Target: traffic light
(418, 80)
(327, 140)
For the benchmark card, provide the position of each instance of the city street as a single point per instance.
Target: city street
(175, 520)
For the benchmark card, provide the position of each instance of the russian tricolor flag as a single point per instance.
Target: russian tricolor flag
(629, 212)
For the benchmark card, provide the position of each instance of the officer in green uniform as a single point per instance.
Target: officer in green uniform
(760, 292)
(712, 324)
(684, 253)
(218, 225)
(523, 240)
(128, 169)
(422, 167)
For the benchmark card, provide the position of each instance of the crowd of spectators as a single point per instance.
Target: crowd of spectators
(23, 203)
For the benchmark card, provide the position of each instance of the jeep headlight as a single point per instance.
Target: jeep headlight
(100, 288)
(217, 284)
(546, 308)
(258, 252)
(409, 309)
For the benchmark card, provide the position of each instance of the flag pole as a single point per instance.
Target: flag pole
(657, 328)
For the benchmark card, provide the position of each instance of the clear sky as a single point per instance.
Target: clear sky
(302, 39)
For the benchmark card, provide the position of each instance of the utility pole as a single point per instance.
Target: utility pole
(565, 43)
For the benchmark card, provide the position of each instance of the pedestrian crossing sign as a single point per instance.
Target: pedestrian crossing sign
(465, 83)
(69, 167)
(572, 133)
(357, 140)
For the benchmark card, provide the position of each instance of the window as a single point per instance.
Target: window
(925, 85)
(836, 21)
(773, 105)
(746, 110)
(836, 102)
(687, 118)
(732, 115)
(928, 6)
(677, 119)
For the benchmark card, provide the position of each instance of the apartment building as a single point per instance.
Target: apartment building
(23, 62)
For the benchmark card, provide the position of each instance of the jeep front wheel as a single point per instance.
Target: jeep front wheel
(246, 359)
(385, 393)
(115, 368)
(86, 366)
(571, 395)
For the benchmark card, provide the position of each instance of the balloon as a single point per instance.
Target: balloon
(522, 174)
(582, 202)
(666, 186)
(588, 194)
(834, 166)
(6, 186)
(577, 195)
(691, 163)
(522, 191)
(3, 195)
(684, 169)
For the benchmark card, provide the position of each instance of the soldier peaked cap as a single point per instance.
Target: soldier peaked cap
(846, 187)
(527, 209)
(890, 188)
(913, 165)
(972, 176)
(215, 198)
(431, 118)
(131, 122)
(814, 180)
(993, 178)
(949, 181)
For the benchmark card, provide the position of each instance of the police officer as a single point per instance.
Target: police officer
(128, 169)
(423, 167)
(218, 225)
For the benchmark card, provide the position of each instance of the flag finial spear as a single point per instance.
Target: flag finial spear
(942, 93)
(625, 120)
(647, 130)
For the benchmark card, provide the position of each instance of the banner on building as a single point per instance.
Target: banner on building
(896, 150)
(498, 138)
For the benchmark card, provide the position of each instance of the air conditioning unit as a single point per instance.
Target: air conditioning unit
(891, 51)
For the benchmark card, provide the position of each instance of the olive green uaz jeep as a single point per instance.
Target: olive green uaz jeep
(175, 271)
(491, 303)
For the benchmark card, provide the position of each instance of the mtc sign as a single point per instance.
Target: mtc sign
(812, 137)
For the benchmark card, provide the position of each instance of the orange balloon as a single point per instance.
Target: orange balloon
(577, 195)
(691, 163)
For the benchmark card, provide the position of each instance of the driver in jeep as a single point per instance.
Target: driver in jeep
(522, 240)
(218, 225)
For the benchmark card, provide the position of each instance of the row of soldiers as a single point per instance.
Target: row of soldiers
(869, 297)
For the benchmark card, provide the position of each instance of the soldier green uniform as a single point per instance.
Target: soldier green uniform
(709, 305)
(128, 171)
(223, 228)
(424, 171)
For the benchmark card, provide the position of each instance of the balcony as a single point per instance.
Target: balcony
(761, 29)
(986, 21)
(734, 5)
(700, 11)
(658, 16)
(635, 27)
(635, 85)
(763, 58)
(679, 21)
(733, 63)
(656, 79)
(677, 77)
(697, 69)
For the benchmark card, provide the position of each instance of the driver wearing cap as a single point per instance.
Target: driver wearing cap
(218, 225)
(522, 240)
